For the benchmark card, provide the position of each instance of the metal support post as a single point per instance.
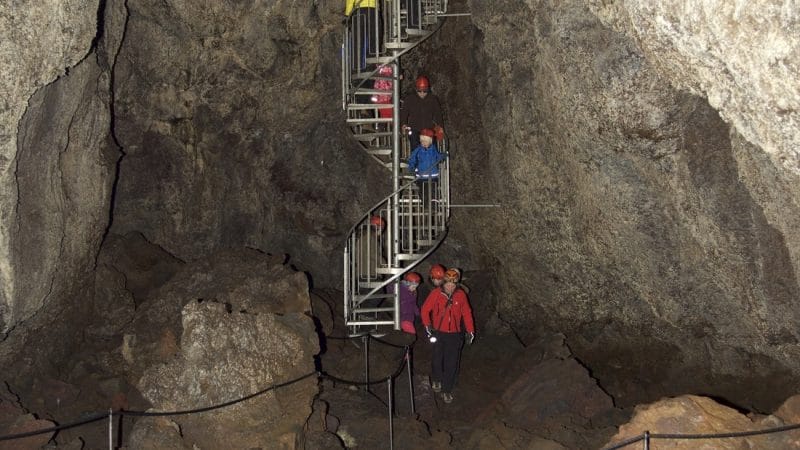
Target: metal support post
(410, 380)
(391, 419)
(110, 429)
(365, 339)
(646, 440)
(396, 180)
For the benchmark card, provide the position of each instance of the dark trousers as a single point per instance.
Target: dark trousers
(446, 357)
(366, 35)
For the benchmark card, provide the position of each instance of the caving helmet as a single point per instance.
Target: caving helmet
(422, 83)
(412, 278)
(427, 132)
(437, 272)
(377, 222)
(452, 276)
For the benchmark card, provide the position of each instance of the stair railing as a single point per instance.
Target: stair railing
(374, 258)
(368, 253)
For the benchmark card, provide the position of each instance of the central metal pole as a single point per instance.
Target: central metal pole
(396, 179)
(391, 419)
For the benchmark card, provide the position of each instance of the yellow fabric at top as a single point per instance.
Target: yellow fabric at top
(349, 5)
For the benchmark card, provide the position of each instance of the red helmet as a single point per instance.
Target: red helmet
(437, 272)
(413, 277)
(422, 83)
(427, 132)
(376, 221)
(452, 276)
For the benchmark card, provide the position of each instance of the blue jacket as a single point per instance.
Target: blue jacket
(424, 162)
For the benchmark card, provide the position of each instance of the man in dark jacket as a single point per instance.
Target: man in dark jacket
(420, 111)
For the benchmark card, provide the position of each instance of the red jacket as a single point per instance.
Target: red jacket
(447, 318)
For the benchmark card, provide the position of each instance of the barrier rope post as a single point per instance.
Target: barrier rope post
(365, 338)
(391, 422)
(110, 429)
(410, 380)
(646, 440)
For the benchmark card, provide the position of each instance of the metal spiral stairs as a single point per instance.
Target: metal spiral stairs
(414, 216)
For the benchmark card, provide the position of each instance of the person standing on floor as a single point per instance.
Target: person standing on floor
(446, 314)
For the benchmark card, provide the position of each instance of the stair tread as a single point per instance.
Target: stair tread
(362, 120)
(370, 136)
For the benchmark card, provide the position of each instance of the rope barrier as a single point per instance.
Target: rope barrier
(92, 418)
(101, 415)
(218, 406)
(394, 375)
(736, 434)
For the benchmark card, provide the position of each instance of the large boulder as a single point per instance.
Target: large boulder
(693, 415)
(225, 356)
(221, 329)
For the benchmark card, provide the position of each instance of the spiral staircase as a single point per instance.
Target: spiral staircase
(400, 231)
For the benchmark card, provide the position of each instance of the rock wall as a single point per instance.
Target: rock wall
(56, 157)
(741, 55)
(634, 218)
(233, 111)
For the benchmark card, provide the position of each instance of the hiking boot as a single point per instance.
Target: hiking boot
(436, 386)
(447, 397)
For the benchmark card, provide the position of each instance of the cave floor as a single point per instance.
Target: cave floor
(478, 418)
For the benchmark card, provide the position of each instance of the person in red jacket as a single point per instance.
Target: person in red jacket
(446, 314)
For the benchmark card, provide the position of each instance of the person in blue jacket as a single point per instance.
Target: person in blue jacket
(424, 163)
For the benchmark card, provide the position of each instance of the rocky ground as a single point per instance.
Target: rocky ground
(508, 396)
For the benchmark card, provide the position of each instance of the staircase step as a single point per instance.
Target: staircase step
(361, 298)
(408, 256)
(367, 120)
(381, 60)
(399, 45)
(425, 242)
(379, 151)
(370, 310)
(371, 136)
(365, 91)
(417, 32)
(351, 323)
(363, 106)
(390, 270)
(370, 284)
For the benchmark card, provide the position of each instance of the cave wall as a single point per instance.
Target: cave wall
(57, 160)
(638, 217)
(230, 116)
(649, 202)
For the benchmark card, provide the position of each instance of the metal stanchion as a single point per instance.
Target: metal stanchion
(110, 429)
(391, 422)
(365, 339)
(646, 440)
(410, 380)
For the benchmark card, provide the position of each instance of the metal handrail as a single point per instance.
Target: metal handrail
(364, 253)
